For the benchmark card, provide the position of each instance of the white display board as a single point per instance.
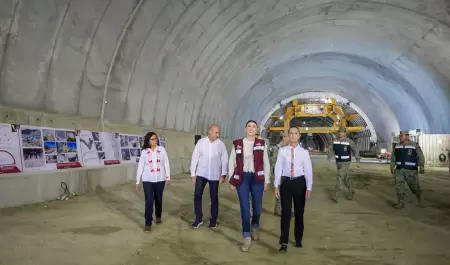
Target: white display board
(10, 155)
(130, 147)
(48, 148)
(91, 148)
(109, 148)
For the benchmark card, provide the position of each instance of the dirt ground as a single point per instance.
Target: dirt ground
(105, 227)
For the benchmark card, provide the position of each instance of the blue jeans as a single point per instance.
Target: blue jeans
(200, 183)
(153, 192)
(256, 189)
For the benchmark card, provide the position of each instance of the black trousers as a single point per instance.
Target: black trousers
(200, 184)
(292, 190)
(153, 192)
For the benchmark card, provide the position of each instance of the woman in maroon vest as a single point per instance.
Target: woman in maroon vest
(249, 170)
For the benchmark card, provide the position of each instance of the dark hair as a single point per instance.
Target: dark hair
(147, 139)
(298, 130)
(250, 121)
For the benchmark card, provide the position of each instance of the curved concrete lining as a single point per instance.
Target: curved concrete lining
(181, 65)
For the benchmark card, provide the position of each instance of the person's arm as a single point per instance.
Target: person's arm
(330, 152)
(224, 160)
(307, 167)
(393, 162)
(355, 149)
(166, 165)
(231, 163)
(420, 157)
(141, 166)
(278, 169)
(266, 165)
(195, 158)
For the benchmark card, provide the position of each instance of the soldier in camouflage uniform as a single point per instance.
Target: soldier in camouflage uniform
(341, 150)
(406, 159)
(273, 160)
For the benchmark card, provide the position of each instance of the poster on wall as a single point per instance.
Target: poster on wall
(10, 157)
(108, 148)
(48, 148)
(162, 141)
(91, 148)
(130, 148)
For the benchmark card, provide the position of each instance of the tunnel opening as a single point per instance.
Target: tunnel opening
(319, 127)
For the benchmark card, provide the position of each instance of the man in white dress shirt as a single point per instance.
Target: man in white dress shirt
(208, 165)
(293, 170)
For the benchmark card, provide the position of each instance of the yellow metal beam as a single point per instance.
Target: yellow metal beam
(336, 113)
(352, 117)
(319, 129)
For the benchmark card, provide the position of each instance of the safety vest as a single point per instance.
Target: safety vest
(406, 156)
(342, 151)
(258, 160)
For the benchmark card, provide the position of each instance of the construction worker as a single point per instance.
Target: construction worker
(273, 159)
(406, 159)
(341, 150)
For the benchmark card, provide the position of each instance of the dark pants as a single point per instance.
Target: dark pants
(200, 184)
(249, 185)
(153, 192)
(292, 189)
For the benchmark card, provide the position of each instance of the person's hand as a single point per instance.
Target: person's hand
(422, 170)
(193, 179)
(266, 187)
(277, 193)
(308, 194)
(222, 179)
(232, 187)
(137, 187)
(167, 182)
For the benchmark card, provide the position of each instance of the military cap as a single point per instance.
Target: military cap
(283, 134)
(404, 132)
(342, 129)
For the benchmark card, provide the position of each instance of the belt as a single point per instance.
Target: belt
(292, 178)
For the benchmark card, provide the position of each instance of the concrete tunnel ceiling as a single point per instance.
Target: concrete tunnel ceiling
(185, 64)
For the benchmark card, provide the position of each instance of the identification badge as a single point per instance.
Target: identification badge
(236, 177)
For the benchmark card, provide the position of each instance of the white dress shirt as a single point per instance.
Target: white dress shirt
(153, 165)
(302, 165)
(209, 159)
(249, 160)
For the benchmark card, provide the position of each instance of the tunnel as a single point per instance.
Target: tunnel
(176, 67)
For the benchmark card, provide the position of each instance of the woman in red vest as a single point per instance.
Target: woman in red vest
(249, 171)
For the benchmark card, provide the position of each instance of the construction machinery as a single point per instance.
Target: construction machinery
(310, 110)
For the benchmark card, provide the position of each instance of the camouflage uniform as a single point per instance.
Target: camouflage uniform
(342, 167)
(410, 176)
(273, 161)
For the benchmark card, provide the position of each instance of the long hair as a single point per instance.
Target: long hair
(147, 139)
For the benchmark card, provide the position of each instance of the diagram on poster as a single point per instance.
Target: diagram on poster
(10, 158)
(162, 141)
(48, 148)
(91, 148)
(108, 148)
(130, 148)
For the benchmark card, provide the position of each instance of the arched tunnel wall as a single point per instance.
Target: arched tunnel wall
(180, 65)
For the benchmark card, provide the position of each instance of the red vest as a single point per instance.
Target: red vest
(258, 156)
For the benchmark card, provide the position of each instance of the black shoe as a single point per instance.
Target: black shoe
(299, 245)
(148, 229)
(283, 248)
(212, 225)
(158, 220)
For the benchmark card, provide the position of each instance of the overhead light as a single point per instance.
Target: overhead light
(281, 117)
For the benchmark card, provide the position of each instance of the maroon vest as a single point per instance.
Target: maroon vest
(258, 156)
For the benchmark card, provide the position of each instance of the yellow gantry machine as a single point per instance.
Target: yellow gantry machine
(329, 109)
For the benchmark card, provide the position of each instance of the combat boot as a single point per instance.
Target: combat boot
(335, 196)
(351, 193)
(400, 204)
(419, 199)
